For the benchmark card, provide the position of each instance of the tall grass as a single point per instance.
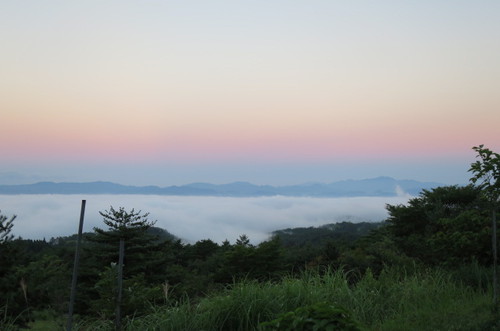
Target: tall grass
(425, 300)
(7, 322)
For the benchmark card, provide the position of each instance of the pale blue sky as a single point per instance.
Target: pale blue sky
(277, 92)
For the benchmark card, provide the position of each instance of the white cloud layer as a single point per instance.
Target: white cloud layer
(191, 218)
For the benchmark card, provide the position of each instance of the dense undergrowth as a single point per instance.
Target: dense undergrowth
(422, 300)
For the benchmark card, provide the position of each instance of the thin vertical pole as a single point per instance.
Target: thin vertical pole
(118, 321)
(75, 268)
(495, 259)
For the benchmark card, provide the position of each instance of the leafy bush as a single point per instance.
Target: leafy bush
(319, 316)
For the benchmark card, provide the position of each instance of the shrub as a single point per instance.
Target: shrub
(319, 316)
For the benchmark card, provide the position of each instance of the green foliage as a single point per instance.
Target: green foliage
(141, 248)
(47, 320)
(368, 269)
(327, 245)
(463, 238)
(46, 282)
(318, 317)
(8, 322)
(138, 296)
(247, 261)
(243, 240)
(6, 225)
(375, 251)
(161, 234)
(486, 173)
(10, 257)
(445, 225)
(423, 300)
(343, 232)
(144, 264)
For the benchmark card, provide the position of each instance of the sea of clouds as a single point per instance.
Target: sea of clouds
(191, 218)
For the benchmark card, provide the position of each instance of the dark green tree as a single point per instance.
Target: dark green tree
(269, 259)
(261, 262)
(42, 279)
(486, 175)
(240, 261)
(6, 225)
(140, 245)
(10, 258)
(450, 218)
(243, 240)
(142, 259)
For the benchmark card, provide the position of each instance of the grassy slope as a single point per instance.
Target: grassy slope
(427, 300)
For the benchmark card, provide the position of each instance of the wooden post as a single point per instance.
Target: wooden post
(495, 259)
(118, 321)
(75, 268)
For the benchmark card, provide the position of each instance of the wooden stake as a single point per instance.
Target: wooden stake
(75, 268)
(118, 321)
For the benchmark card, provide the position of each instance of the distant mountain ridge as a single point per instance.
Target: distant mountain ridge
(372, 187)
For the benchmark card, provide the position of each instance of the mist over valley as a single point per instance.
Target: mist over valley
(191, 218)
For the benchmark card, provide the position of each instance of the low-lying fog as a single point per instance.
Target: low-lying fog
(191, 218)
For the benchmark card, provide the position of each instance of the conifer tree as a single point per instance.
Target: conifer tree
(141, 247)
(10, 257)
(6, 225)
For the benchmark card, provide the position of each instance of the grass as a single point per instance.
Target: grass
(7, 323)
(426, 300)
(46, 320)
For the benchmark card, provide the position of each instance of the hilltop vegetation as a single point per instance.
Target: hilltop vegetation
(444, 229)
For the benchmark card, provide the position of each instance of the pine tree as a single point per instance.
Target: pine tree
(141, 248)
(6, 225)
(143, 268)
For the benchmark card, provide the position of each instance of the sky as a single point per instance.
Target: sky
(270, 92)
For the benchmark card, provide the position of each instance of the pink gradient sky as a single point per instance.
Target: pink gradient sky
(222, 91)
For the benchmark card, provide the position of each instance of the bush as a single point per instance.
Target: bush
(319, 316)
